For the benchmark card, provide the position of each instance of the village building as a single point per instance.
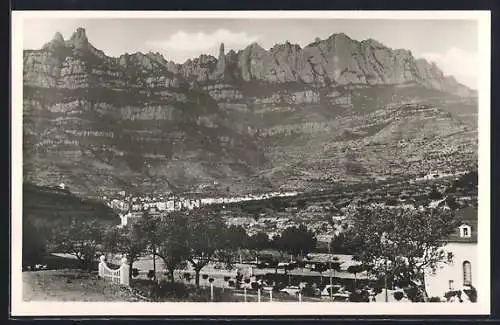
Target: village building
(461, 271)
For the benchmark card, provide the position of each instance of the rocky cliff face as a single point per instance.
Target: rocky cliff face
(130, 122)
(245, 121)
(337, 60)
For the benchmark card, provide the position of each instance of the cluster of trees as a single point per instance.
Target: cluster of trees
(399, 245)
(34, 244)
(196, 237)
(396, 245)
(296, 241)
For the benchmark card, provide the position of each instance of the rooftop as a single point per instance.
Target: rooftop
(469, 217)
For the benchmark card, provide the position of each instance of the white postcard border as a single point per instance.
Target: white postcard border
(21, 308)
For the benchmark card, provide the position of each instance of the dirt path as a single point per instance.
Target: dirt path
(70, 285)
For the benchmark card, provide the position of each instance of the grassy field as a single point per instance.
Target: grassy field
(70, 285)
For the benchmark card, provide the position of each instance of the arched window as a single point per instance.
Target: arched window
(467, 273)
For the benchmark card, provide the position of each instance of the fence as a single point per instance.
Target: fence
(118, 276)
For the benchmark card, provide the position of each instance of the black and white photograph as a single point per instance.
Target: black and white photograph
(243, 163)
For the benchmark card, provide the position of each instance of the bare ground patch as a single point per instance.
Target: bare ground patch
(71, 285)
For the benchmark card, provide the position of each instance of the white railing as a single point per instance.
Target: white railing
(118, 276)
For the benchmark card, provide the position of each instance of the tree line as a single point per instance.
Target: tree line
(195, 237)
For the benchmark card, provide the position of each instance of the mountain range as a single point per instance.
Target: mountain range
(336, 110)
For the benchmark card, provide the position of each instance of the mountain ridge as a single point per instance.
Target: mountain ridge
(426, 70)
(245, 121)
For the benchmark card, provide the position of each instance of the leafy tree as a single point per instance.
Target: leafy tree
(452, 203)
(34, 245)
(130, 241)
(335, 267)
(150, 225)
(402, 243)
(321, 267)
(341, 243)
(258, 241)
(236, 239)
(80, 239)
(205, 238)
(355, 269)
(278, 244)
(172, 243)
(297, 240)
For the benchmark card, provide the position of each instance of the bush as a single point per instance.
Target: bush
(135, 272)
(398, 295)
(434, 299)
(231, 283)
(448, 295)
(414, 294)
(472, 294)
(204, 276)
(151, 274)
(309, 291)
(359, 296)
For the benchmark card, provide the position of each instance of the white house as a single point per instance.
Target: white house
(462, 270)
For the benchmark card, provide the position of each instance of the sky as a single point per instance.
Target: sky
(451, 44)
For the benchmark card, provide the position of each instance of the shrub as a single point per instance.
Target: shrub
(255, 285)
(151, 274)
(204, 276)
(448, 295)
(309, 291)
(231, 283)
(414, 294)
(434, 299)
(226, 278)
(211, 280)
(359, 296)
(135, 272)
(398, 295)
(472, 294)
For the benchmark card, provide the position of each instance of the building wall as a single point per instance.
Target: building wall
(438, 284)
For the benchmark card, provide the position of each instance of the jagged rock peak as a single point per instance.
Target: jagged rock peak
(79, 35)
(58, 38)
(255, 45)
(339, 36)
(286, 45)
(373, 43)
(221, 65)
(56, 42)
(79, 38)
